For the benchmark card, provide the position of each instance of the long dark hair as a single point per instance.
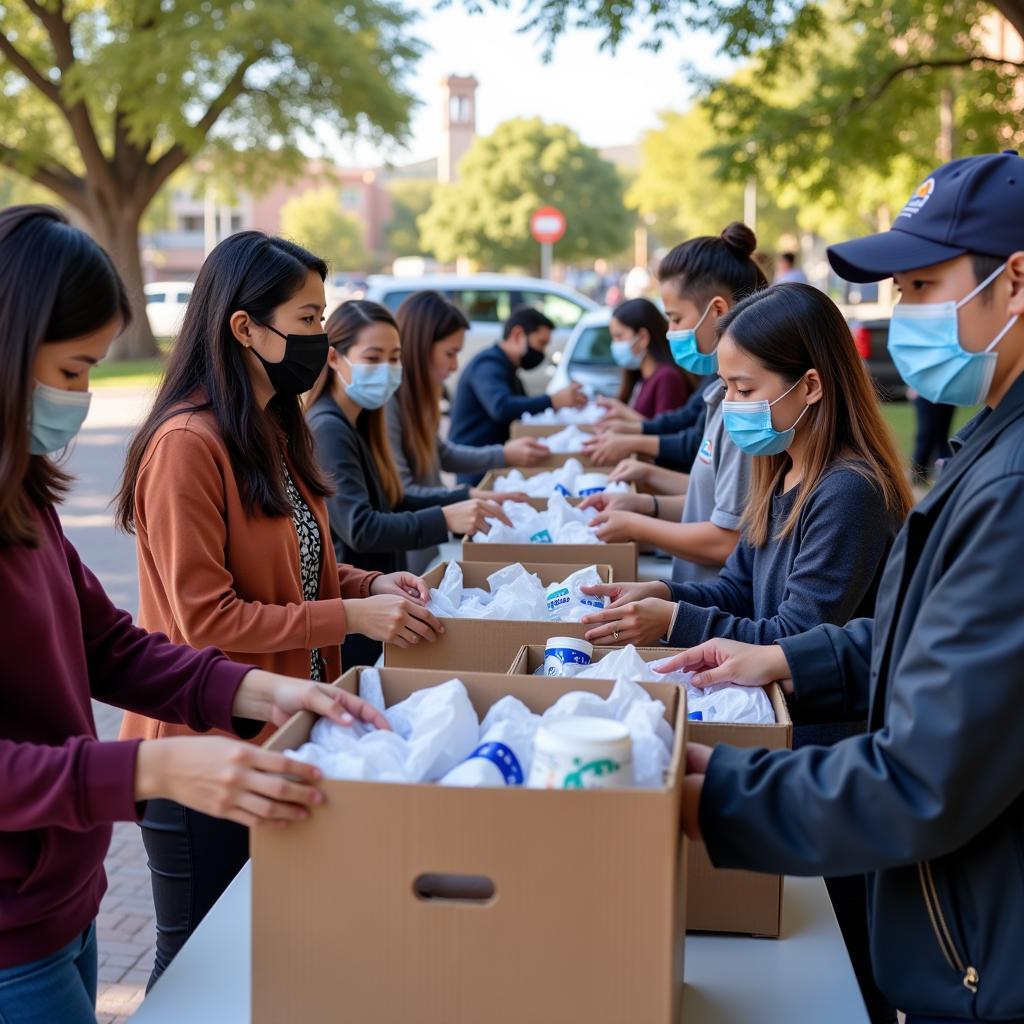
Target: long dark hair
(56, 284)
(424, 319)
(343, 329)
(642, 314)
(790, 329)
(711, 264)
(256, 273)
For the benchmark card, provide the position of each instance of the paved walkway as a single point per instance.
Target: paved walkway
(126, 927)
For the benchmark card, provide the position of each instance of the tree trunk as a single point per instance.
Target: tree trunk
(117, 231)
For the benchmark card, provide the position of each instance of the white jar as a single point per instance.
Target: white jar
(561, 651)
(582, 753)
(590, 483)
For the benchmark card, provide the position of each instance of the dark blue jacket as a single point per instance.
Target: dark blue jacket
(489, 397)
(931, 801)
(681, 431)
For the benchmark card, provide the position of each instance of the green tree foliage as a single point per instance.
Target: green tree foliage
(681, 191)
(315, 219)
(410, 199)
(102, 100)
(505, 177)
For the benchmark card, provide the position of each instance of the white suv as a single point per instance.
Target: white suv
(488, 300)
(165, 306)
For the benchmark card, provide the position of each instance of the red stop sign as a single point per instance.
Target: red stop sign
(547, 225)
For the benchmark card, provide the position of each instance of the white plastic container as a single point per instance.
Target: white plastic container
(582, 753)
(591, 483)
(561, 651)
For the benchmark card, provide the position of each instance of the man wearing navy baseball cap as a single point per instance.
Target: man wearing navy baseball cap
(930, 803)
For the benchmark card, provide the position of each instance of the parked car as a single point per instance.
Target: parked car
(487, 300)
(588, 358)
(869, 323)
(165, 306)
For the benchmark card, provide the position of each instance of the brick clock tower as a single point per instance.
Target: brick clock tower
(458, 123)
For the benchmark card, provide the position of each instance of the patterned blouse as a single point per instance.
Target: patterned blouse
(310, 543)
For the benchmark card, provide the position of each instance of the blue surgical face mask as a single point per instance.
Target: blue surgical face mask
(624, 356)
(57, 416)
(686, 353)
(750, 426)
(372, 384)
(924, 342)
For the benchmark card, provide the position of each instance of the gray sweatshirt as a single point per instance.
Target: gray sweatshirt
(452, 458)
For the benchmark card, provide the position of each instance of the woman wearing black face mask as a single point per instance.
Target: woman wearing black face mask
(226, 499)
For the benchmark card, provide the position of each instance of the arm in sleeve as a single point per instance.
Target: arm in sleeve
(464, 458)
(361, 526)
(180, 498)
(437, 495)
(730, 595)
(912, 790)
(833, 570)
(670, 391)
(680, 419)
(732, 481)
(679, 450)
(502, 404)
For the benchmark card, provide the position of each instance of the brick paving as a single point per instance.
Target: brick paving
(126, 927)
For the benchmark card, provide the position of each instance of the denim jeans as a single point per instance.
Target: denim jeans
(59, 987)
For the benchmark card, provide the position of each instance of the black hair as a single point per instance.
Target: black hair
(788, 257)
(703, 266)
(529, 319)
(985, 266)
(256, 273)
(642, 314)
(56, 284)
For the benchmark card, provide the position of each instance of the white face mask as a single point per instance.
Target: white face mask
(56, 417)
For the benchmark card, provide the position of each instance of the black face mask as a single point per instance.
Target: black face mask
(305, 355)
(532, 357)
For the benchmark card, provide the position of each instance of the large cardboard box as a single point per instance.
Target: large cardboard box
(717, 900)
(540, 504)
(487, 645)
(437, 905)
(623, 558)
(542, 430)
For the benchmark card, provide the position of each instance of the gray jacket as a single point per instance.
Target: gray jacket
(931, 801)
(452, 458)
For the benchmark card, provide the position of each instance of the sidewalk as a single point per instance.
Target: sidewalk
(126, 925)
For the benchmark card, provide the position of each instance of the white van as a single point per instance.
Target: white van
(165, 306)
(487, 300)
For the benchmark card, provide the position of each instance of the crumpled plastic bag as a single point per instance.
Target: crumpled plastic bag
(571, 439)
(562, 480)
(437, 735)
(590, 413)
(642, 715)
(515, 593)
(434, 729)
(560, 523)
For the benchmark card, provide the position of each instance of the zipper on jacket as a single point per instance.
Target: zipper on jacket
(968, 974)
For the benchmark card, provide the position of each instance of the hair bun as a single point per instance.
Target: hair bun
(740, 239)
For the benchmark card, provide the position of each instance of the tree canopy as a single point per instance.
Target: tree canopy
(316, 220)
(100, 101)
(508, 175)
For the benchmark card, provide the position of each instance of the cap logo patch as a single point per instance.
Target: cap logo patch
(918, 199)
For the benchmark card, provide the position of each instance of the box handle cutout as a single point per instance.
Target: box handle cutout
(454, 888)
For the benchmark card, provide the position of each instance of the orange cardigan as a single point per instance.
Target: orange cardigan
(210, 574)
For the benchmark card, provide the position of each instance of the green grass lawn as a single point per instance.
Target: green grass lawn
(134, 373)
(900, 417)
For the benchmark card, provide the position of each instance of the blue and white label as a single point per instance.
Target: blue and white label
(696, 716)
(541, 537)
(707, 451)
(558, 598)
(563, 491)
(504, 759)
(587, 491)
(557, 656)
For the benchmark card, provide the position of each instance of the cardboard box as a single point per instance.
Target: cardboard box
(717, 900)
(472, 906)
(623, 558)
(542, 430)
(540, 504)
(487, 645)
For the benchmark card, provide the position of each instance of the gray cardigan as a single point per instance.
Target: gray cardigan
(452, 458)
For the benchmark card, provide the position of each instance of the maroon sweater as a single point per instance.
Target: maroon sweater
(60, 787)
(664, 391)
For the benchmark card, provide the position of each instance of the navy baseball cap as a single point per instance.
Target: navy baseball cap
(973, 205)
